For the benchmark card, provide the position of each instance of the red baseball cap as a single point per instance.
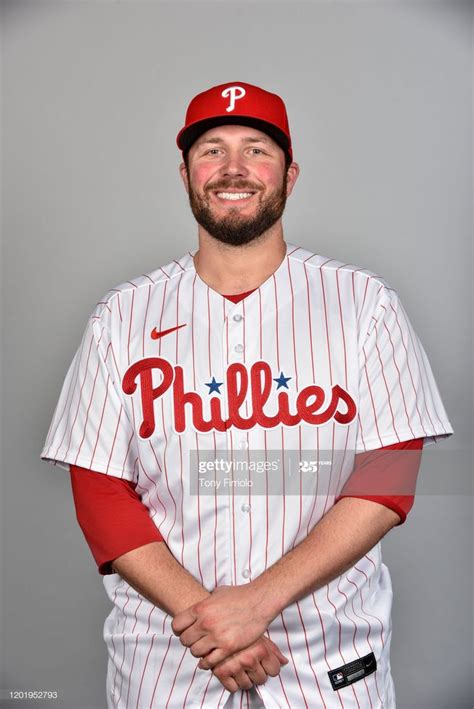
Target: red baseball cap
(236, 103)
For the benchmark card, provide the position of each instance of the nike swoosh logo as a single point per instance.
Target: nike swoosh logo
(155, 335)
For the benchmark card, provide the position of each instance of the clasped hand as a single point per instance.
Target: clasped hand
(226, 631)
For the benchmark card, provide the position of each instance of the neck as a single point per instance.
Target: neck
(235, 269)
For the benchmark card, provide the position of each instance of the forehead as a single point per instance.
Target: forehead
(234, 133)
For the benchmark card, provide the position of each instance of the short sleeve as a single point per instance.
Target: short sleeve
(398, 396)
(90, 427)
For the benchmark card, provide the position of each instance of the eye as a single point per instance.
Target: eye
(259, 150)
(212, 150)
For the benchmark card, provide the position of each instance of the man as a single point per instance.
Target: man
(254, 354)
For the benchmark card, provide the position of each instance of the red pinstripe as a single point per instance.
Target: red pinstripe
(327, 328)
(373, 404)
(369, 630)
(165, 468)
(399, 379)
(309, 654)
(80, 395)
(382, 369)
(293, 323)
(159, 673)
(144, 321)
(192, 336)
(353, 640)
(279, 676)
(120, 312)
(266, 501)
(248, 455)
(134, 653)
(198, 516)
(126, 454)
(276, 324)
(215, 515)
(115, 438)
(233, 507)
(137, 706)
(130, 328)
(205, 691)
(143, 467)
(293, 659)
(342, 326)
(190, 685)
(178, 264)
(175, 676)
(67, 404)
(87, 417)
(410, 373)
(309, 322)
(283, 496)
(361, 571)
(104, 303)
(422, 386)
(182, 498)
(123, 641)
(91, 464)
(209, 332)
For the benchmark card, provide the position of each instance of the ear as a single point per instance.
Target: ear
(184, 176)
(291, 177)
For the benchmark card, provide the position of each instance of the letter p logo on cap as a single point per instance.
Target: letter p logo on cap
(234, 92)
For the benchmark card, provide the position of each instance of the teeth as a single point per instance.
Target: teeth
(234, 195)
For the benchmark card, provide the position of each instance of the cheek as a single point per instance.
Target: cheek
(199, 177)
(269, 176)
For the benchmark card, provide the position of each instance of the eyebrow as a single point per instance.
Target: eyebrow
(249, 139)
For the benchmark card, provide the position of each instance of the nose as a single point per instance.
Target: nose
(234, 166)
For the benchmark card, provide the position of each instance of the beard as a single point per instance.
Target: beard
(234, 229)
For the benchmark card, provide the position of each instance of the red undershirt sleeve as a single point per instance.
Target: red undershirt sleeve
(111, 515)
(386, 477)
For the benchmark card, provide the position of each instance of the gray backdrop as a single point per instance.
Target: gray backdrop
(93, 94)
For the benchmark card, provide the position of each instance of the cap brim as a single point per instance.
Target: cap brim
(191, 133)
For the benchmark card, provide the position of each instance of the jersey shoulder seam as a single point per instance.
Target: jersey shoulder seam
(338, 265)
(115, 292)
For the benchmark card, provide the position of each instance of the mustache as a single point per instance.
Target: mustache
(235, 184)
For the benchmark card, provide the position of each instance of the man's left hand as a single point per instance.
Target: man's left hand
(230, 619)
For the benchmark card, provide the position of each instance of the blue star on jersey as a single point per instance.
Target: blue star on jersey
(213, 385)
(282, 381)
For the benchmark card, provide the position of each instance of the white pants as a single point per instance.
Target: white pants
(250, 700)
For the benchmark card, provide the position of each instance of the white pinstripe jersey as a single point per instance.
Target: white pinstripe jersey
(321, 357)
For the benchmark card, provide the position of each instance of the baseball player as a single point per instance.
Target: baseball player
(232, 391)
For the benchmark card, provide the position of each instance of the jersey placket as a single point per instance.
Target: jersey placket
(237, 444)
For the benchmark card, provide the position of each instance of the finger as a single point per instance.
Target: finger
(212, 658)
(183, 620)
(258, 674)
(276, 650)
(243, 680)
(191, 636)
(271, 666)
(229, 683)
(202, 647)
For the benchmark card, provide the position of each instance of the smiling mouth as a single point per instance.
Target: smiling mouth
(233, 196)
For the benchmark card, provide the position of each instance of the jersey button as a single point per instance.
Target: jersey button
(239, 348)
(237, 317)
(243, 444)
(245, 507)
(246, 573)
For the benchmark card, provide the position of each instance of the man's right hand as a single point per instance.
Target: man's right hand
(250, 666)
